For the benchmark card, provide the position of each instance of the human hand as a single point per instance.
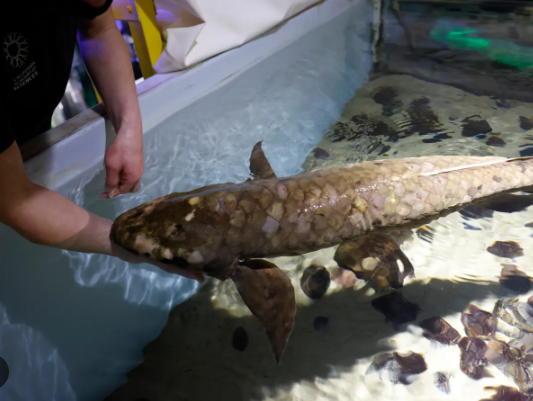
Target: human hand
(134, 259)
(124, 163)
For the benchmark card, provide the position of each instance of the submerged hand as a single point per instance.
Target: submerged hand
(133, 259)
(180, 272)
(124, 163)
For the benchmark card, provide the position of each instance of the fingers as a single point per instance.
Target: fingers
(127, 187)
(110, 193)
(124, 163)
(137, 186)
(112, 180)
(122, 187)
(187, 274)
(195, 276)
(182, 272)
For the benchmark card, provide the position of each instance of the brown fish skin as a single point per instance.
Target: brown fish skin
(211, 229)
(208, 228)
(269, 294)
(374, 258)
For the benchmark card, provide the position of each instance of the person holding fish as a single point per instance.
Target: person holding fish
(38, 42)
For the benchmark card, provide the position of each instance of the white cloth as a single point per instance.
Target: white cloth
(195, 30)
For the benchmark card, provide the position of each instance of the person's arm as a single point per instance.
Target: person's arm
(45, 217)
(107, 59)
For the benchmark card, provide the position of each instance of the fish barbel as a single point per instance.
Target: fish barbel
(223, 230)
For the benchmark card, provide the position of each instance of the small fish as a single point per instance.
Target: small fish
(224, 230)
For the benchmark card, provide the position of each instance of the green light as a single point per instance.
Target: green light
(473, 43)
(501, 51)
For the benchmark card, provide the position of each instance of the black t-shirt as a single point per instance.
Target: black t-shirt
(38, 39)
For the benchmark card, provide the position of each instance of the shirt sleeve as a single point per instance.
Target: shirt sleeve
(7, 136)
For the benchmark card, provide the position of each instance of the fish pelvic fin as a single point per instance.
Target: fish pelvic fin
(259, 165)
(270, 296)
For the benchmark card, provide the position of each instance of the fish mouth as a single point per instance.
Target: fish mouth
(119, 237)
(125, 228)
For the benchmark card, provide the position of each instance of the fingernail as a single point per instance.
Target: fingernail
(114, 192)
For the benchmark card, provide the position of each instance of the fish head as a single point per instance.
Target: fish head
(176, 229)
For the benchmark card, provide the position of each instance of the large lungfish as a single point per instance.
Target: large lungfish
(222, 229)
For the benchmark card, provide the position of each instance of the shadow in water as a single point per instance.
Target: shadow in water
(193, 358)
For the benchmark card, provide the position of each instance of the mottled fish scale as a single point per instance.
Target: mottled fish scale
(219, 230)
(309, 211)
(330, 206)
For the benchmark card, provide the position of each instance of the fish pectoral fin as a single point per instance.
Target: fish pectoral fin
(408, 269)
(259, 164)
(374, 257)
(269, 294)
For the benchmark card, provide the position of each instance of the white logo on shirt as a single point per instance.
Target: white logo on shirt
(16, 49)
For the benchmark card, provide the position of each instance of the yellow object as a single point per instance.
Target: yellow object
(141, 18)
(97, 95)
(147, 36)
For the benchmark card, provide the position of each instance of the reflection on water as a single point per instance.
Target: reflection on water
(140, 284)
(33, 362)
(98, 312)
